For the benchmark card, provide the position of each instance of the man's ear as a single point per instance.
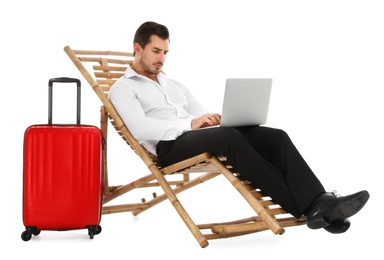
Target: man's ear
(136, 48)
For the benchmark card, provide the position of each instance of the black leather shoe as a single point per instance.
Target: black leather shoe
(330, 207)
(338, 226)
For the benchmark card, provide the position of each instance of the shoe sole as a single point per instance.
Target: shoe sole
(338, 226)
(344, 210)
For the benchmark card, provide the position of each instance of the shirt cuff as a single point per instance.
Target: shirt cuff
(185, 125)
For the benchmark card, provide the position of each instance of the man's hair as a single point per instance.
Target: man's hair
(147, 29)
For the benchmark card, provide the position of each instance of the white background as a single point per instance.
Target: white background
(326, 59)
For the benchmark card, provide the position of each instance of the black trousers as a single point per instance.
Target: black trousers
(264, 156)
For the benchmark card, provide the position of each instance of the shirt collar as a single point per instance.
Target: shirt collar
(130, 73)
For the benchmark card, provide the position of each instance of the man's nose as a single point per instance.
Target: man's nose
(162, 57)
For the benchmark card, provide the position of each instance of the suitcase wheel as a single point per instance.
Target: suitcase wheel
(29, 231)
(93, 230)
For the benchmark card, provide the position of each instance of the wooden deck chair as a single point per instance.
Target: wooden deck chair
(101, 69)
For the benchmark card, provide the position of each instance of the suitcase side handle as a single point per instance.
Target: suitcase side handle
(63, 80)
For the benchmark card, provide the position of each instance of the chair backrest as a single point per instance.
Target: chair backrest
(108, 66)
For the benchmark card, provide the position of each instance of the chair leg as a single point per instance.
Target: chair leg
(104, 130)
(177, 205)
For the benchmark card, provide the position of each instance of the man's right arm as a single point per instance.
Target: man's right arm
(126, 103)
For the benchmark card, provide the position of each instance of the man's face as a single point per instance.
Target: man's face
(153, 56)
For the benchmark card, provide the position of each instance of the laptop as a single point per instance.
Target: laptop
(246, 101)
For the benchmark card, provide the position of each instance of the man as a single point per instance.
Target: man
(161, 113)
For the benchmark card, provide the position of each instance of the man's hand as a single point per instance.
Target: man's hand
(206, 120)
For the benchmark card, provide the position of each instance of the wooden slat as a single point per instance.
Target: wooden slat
(103, 53)
(109, 60)
(108, 75)
(110, 68)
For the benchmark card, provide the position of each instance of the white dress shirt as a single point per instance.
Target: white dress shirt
(152, 111)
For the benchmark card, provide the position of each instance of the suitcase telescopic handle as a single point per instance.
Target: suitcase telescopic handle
(63, 80)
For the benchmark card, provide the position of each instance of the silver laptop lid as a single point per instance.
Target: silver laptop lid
(246, 101)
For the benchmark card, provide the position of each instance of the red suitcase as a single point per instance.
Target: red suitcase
(62, 175)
